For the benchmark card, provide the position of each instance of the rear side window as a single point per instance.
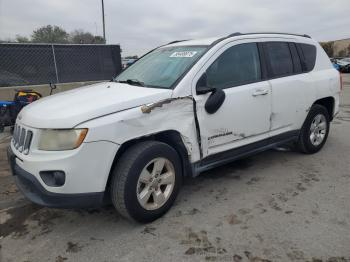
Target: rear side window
(296, 58)
(309, 52)
(279, 59)
(238, 65)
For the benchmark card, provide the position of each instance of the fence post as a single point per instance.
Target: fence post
(54, 61)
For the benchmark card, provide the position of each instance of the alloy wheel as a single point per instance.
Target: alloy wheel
(156, 183)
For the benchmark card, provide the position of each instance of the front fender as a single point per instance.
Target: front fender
(176, 114)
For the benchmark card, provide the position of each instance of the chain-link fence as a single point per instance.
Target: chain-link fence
(32, 64)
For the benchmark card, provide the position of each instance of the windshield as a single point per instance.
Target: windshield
(162, 67)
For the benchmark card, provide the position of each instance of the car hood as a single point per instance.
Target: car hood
(70, 108)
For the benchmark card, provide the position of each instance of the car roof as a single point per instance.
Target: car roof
(213, 40)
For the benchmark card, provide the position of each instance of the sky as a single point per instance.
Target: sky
(141, 25)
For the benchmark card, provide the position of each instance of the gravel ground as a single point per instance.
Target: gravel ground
(276, 206)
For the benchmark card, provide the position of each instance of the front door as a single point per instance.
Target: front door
(244, 117)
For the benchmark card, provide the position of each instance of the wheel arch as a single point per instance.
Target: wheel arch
(328, 103)
(170, 137)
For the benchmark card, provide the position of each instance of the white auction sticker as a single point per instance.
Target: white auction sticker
(183, 54)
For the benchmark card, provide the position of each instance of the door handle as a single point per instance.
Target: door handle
(260, 92)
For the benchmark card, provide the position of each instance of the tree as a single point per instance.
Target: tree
(22, 39)
(342, 53)
(99, 40)
(55, 34)
(328, 48)
(348, 50)
(50, 34)
(81, 37)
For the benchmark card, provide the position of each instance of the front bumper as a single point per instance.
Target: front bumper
(35, 192)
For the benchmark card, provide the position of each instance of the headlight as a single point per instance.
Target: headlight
(61, 139)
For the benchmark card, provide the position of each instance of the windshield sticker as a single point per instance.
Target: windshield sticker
(184, 54)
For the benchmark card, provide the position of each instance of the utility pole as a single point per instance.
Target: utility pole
(103, 22)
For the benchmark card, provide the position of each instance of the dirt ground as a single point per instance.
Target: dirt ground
(276, 206)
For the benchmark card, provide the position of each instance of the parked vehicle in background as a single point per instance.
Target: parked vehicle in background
(183, 108)
(126, 62)
(344, 65)
(337, 58)
(334, 63)
(333, 60)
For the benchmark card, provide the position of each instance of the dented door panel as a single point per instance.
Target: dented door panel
(292, 96)
(243, 118)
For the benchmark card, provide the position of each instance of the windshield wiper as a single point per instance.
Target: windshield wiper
(133, 82)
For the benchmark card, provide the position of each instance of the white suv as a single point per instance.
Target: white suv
(181, 109)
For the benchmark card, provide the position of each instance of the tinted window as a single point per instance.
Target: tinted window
(309, 52)
(238, 65)
(296, 58)
(280, 58)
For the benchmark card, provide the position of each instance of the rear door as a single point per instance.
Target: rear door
(291, 87)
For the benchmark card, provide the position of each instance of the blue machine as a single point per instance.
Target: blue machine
(5, 114)
(10, 109)
(6, 103)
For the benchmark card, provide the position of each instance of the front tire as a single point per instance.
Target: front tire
(146, 181)
(315, 130)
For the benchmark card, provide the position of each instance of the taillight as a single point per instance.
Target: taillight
(341, 81)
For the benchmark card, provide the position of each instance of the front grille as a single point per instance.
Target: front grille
(22, 139)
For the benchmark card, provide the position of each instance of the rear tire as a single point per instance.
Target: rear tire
(315, 130)
(146, 181)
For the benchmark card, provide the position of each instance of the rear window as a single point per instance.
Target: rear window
(296, 59)
(280, 58)
(309, 52)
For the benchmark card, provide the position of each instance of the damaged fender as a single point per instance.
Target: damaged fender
(173, 114)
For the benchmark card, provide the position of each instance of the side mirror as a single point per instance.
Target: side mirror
(215, 101)
(216, 98)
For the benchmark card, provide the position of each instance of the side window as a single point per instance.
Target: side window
(238, 65)
(296, 58)
(309, 52)
(279, 58)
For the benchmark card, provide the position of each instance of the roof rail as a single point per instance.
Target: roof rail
(176, 41)
(275, 33)
(239, 34)
(235, 34)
